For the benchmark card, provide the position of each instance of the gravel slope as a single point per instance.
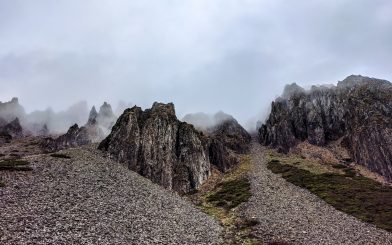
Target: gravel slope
(289, 213)
(89, 199)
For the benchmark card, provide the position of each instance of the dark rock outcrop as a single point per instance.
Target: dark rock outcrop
(222, 127)
(3, 122)
(12, 129)
(155, 144)
(226, 137)
(231, 134)
(358, 109)
(221, 156)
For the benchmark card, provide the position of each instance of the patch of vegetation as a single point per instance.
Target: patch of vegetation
(60, 155)
(2, 184)
(356, 195)
(339, 166)
(221, 201)
(231, 193)
(13, 164)
(300, 162)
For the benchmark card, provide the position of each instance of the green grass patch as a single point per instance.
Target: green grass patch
(2, 184)
(356, 195)
(231, 193)
(220, 200)
(60, 155)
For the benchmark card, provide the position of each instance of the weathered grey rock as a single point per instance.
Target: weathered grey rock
(44, 130)
(92, 116)
(220, 156)
(12, 109)
(105, 116)
(358, 109)
(3, 122)
(155, 144)
(226, 135)
(75, 136)
(12, 129)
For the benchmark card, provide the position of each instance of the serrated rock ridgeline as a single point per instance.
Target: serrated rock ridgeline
(358, 110)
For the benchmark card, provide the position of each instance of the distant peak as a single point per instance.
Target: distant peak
(292, 89)
(169, 107)
(354, 80)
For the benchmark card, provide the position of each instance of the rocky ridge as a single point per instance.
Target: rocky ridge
(227, 137)
(358, 111)
(94, 131)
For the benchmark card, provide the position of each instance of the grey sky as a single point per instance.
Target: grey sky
(204, 55)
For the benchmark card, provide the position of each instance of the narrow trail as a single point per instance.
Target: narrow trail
(289, 213)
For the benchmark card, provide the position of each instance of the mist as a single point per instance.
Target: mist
(59, 122)
(204, 56)
(204, 121)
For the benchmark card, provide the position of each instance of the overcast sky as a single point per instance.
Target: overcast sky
(203, 55)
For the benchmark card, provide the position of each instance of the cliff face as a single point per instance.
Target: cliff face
(155, 144)
(232, 135)
(358, 109)
(226, 137)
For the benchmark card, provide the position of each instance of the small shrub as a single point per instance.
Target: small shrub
(247, 223)
(60, 155)
(339, 166)
(13, 164)
(349, 172)
(2, 184)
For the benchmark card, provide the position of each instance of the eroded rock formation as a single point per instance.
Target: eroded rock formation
(91, 132)
(226, 137)
(155, 144)
(231, 134)
(105, 116)
(358, 110)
